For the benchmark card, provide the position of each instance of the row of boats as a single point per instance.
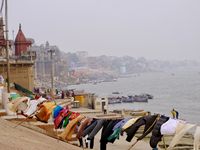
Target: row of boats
(129, 99)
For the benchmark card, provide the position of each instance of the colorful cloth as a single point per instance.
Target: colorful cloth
(56, 111)
(70, 129)
(129, 123)
(121, 123)
(45, 111)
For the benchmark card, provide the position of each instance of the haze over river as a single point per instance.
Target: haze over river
(179, 90)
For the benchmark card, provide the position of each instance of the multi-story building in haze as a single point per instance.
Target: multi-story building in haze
(43, 63)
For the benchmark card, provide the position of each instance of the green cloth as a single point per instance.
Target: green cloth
(14, 96)
(31, 96)
(115, 134)
(22, 89)
(66, 120)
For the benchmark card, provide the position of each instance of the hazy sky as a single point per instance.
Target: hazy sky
(154, 29)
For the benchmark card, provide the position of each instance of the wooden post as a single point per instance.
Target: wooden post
(133, 145)
(7, 46)
(52, 68)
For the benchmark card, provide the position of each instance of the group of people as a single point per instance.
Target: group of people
(47, 93)
(67, 93)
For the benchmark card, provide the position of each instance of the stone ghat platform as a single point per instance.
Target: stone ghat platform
(186, 143)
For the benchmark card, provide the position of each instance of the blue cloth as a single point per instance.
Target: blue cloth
(56, 111)
(120, 124)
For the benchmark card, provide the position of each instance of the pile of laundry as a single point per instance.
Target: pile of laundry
(78, 127)
(25, 105)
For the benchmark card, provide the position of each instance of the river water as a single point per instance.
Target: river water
(179, 90)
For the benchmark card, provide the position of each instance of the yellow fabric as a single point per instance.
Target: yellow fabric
(130, 122)
(49, 106)
(70, 129)
(45, 111)
(197, 138)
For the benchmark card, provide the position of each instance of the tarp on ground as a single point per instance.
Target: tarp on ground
(22, 89)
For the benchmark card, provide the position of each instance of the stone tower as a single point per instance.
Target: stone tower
(21, 43)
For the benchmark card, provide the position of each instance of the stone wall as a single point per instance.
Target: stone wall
(20, 73)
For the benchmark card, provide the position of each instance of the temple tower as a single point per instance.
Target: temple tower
(21, 43)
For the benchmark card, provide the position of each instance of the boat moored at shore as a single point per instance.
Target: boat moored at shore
(129, 99)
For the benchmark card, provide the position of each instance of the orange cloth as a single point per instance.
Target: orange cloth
(70, 129)
(45, 111)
